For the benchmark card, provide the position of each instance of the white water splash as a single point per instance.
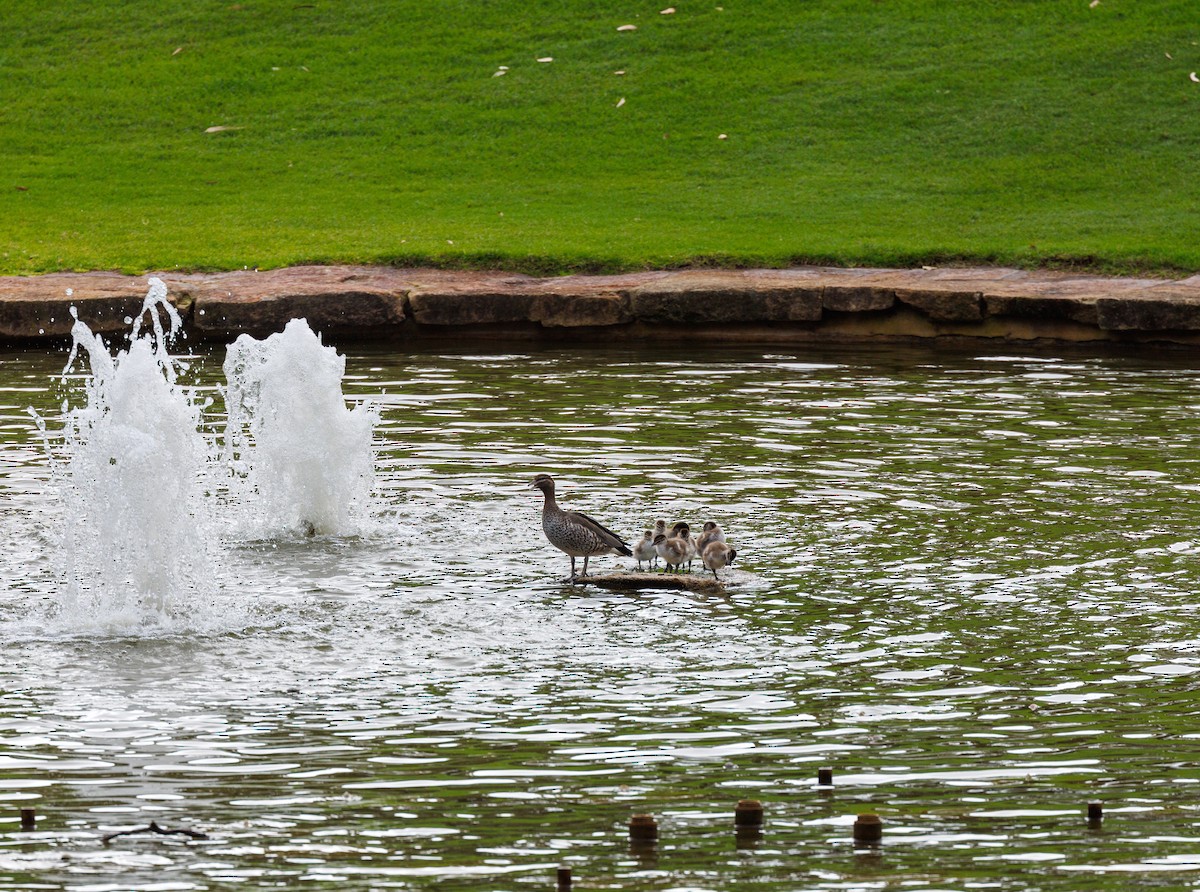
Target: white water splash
(134, 540)
(151, 510)
(297, 454)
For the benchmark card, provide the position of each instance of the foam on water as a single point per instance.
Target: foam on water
(297, 454)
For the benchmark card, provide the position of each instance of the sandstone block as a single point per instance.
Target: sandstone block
(366, 314)
(848, 298)
(471, 307)
(362, 302)
(944, 306)
(40, 306)
(1048, 307)
(713, 298)
(574, 310)
(1162, 312)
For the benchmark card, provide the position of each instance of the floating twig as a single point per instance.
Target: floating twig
(154, 828)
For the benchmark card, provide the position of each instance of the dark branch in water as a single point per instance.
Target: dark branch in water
(154, 828)
(633, 581)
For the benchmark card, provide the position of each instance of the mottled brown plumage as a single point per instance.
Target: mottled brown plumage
(573, 533)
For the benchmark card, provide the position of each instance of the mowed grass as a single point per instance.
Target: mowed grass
(1029, 132)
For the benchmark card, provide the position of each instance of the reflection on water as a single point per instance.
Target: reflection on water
(967, 583)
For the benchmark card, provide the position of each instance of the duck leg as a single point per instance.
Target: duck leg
(585, 560)
(572, 578)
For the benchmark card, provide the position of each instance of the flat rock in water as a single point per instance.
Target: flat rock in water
(678, 581)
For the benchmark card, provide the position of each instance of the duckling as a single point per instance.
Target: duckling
(574, 533)
(712, 532)
(660, 529)
(682, 531)
(717, 555)
(672, 550)
(645, 550)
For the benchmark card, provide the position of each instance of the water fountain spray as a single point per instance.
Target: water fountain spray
(295, 451)
(134, 537)
(149, 504)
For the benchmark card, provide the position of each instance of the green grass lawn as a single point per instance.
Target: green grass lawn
(890, 132)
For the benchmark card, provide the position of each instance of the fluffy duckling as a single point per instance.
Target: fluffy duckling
(574, 533)
(712, 532)
(682, 531)
(672, 550)
(660, 530)
(717, 555)
(645, 550)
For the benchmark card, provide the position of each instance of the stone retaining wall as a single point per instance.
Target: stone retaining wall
(378, 303)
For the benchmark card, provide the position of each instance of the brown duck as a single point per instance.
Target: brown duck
(573, 533)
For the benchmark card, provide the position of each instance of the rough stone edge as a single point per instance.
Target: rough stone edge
(389, 303)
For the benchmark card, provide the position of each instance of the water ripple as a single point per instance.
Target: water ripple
(964, 582)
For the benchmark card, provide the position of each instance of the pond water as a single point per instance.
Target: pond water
(966, 582)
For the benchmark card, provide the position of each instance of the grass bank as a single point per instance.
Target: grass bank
(898, 133)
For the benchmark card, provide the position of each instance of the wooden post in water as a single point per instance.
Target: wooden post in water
(643, 829)
(868, 828)
(28, 819)
(1095, 813)
(825, 777)
(564, 879)
(748, 823)
(748, 813)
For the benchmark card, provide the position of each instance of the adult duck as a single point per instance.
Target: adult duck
(573, 533)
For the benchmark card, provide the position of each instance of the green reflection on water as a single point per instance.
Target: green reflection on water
(966, 583)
